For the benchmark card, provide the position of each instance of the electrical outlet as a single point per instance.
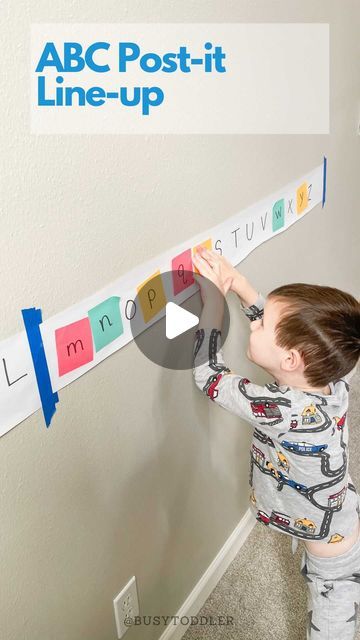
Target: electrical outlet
(126, 605)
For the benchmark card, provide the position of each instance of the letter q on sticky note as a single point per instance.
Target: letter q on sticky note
(182, 267)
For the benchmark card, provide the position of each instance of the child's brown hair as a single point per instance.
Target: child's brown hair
(323, 324)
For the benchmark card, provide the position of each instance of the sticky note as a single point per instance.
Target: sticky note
(302, 198)
(74, 345)
(182, 269)
(278, 215)
(151, 296)
(207, 245)
(105, 321)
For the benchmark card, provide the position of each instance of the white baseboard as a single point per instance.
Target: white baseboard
(211, 577)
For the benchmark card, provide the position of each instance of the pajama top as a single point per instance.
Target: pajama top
(299, 458)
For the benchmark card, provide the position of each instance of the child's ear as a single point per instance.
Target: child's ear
(292, 361)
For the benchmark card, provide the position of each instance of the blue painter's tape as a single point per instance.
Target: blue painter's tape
(32, 319)
(324, 181)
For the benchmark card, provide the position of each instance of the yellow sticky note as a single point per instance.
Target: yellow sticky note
(151, 295)
(302, 198)
(207, 244)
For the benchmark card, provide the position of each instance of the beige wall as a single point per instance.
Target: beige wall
(118, 486)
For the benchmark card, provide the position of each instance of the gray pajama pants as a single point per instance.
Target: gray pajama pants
(333, 594)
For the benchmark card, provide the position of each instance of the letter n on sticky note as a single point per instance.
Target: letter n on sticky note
(207, 245)
(302, 198)
(151, 296)
(182, 268)
(278, 213)
(105, 321)
(74, 345)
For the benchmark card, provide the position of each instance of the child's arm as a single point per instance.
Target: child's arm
(248, 297)
(262, 406)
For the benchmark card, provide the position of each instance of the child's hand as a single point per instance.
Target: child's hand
(216, 269)
(220, 266)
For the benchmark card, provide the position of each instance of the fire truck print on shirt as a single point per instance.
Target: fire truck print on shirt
(299, 476)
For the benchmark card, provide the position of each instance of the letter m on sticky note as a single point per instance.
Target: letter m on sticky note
(74, 345)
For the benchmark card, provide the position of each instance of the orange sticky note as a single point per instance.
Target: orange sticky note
(151, 296)
(74, 345)
(302, 198)
(207, 244)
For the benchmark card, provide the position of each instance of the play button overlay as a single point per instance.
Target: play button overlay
(163, 323)
(178, 320)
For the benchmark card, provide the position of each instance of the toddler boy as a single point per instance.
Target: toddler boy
(308, 338)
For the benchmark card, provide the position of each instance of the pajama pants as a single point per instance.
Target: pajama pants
(333, 594)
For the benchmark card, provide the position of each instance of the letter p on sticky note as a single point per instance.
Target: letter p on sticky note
(151, 296)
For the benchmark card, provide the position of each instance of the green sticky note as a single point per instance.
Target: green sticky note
(105, 321)
(278, 217)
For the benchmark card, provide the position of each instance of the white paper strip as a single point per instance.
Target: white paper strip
(236, 237)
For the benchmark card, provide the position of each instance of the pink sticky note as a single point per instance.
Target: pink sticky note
(181, 265)
(74, 345)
